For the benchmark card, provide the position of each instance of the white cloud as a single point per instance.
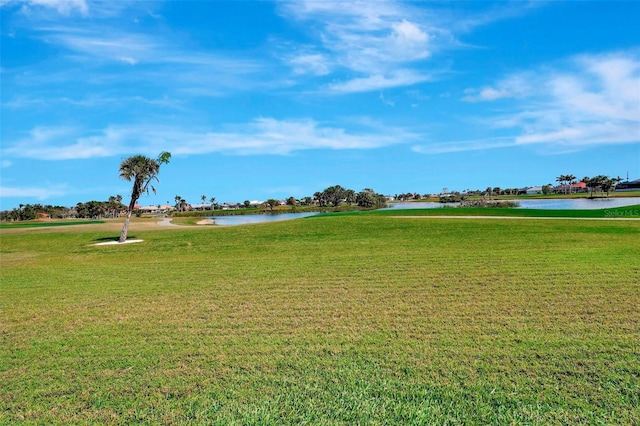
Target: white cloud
(386, 101)
(314, 63)
(110, 45)
(409, 41)
(41, 193)
(462, 146)
(89, 54)
(486, 94)
(513, 86)
(261, 136)
(51, 143)
(128, 60)
(378, 82)
(585, 101)
(63, 7)
(371, 39)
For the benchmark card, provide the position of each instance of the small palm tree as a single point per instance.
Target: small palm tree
(141, 170)
(213, 203)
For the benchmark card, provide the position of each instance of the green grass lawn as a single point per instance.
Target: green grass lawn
(347, 319)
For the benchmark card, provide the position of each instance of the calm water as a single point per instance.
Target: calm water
(563, 204)
(566, 204)
(258, 218)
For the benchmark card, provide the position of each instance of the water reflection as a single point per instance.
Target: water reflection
(258, 218)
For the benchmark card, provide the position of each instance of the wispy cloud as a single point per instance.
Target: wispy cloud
(102, 56)
(63, 7)
(585, 101)
(261, 136)
(52, 143)
(372, 39)
(515, 86)
(372, 45)
(373, 82)
(464, 145)
(22, 102)
(41, 193)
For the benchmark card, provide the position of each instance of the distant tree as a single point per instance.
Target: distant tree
(595, 183)
(350, 196)
(204, 199)
(608, 184)
(546, 189)
(566, 181)
(115, 206)
(247, 204)
(334, 195)
(142, 171)
(561, 180)
(366, 198)
(291, 201)
(272, 202)
(212, 200)
(489, 191)
(571, 180)
(588, 181)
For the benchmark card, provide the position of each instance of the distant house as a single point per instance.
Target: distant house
(148, 209)
(570, 189)
(204, 206)
(534, 190)
(633, 185)
(229, 206)
(154, 209)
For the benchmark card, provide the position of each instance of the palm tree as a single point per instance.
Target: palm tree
(203, 198)
(141, 170)
(213, 203)
(571, 179)
(561, 180)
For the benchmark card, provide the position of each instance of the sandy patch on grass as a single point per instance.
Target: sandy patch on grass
(206, 222)
(112, 243)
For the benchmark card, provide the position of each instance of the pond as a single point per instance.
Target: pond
(552, 204)
(246, 219)
(559, 204)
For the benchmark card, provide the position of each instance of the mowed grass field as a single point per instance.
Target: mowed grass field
(352, 319)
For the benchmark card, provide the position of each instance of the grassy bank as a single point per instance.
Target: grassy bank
(631, 212)
(46, 223)
(361, 318)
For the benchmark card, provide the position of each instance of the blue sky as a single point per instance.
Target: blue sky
(260, 99)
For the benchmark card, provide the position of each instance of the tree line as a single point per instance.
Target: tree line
(111, 208)
(142, 171)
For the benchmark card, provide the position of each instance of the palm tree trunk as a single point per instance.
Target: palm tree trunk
(125, 228)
